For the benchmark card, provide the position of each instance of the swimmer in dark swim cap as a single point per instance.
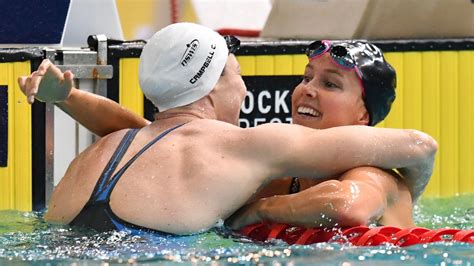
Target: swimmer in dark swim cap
(377, 76)
(354, 83)
(344, 83)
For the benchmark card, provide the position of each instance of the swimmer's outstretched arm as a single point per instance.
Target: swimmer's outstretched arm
(292, 150)
(98, 114)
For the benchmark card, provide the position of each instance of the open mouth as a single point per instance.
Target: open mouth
(308, 111)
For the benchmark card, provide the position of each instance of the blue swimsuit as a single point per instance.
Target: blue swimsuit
(97, 213)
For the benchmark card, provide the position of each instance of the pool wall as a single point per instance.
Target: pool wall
(16, 147)
(435, 94)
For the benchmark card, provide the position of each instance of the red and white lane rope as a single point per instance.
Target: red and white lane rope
(358, 236)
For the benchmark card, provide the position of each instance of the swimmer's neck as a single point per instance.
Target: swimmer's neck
(196, 110)
(178, 116)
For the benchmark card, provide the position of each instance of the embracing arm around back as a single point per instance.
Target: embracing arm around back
(98, 114)
(291, 150)
(279, 150)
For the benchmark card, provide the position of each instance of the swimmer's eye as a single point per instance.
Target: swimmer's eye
(329, 84)
(306, 79)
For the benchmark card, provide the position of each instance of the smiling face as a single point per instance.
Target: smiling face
(328, 96)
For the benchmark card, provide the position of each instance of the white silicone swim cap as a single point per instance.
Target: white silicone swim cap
(180, 64)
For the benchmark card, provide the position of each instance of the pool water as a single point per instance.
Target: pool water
(25, 239)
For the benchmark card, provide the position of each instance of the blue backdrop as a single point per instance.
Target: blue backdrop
(32, 21)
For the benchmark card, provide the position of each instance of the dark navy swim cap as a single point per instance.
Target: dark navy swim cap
(378, 76)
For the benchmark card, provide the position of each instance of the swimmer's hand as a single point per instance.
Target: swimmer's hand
(47, 84)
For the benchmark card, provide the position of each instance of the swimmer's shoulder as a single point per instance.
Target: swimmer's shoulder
(210, 125)
(213, 132)
(115, 136)
(105, 143)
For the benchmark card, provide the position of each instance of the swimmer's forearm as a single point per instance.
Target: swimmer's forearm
(99, 114)
(328, 204)
(289, 210)
(331, 203)
(295, 209)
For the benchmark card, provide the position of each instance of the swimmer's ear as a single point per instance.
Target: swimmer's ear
(364, 119)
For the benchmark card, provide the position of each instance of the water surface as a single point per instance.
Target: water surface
(26, 239)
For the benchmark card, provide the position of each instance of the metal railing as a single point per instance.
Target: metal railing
(86, 65)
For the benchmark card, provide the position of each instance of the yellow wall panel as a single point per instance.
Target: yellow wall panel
(130, 94)
(449, 140)
(430, 101)
(16, 179)
(283, 65)
(412, 90)
(466, 120)
(299, 63)
(22, 141)
(265, 65)
(395, 117)
(247, 65)
(6, 173)
(270, 65)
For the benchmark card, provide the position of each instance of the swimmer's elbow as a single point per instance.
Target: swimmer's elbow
(353, 217)
(426, 144)
(345, 214)
(431, 145)
(350, 210)
(434, 144)
(50, 217)
(334, 204)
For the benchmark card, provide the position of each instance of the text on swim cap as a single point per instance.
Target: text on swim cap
(204, 66)
(190, 51)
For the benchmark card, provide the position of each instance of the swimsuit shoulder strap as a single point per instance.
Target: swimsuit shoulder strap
(114, 161)
(113, 181)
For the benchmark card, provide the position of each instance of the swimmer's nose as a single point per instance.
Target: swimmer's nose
(310, 91)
